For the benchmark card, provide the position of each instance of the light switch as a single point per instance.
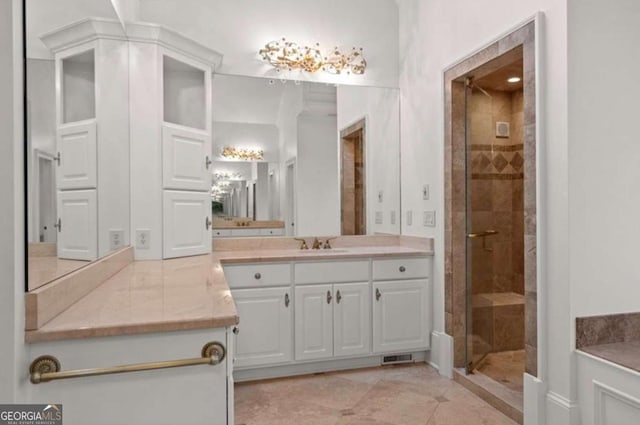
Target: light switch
(409, 218)
(379, 217)
(429, 218)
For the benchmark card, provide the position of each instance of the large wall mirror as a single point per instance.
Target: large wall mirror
(131, 142)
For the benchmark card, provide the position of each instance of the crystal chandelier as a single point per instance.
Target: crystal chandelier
(287, 55)
(242, 154)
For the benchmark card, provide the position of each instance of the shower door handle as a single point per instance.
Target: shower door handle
(482, 234)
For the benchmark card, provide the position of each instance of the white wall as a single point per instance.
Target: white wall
(381, 109)
(12, 349)
(239, 29)
(434, 35)
(290, 107)
(604, 168)
(317, 185)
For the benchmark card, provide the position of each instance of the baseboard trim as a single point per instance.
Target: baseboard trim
(561, 410)
(441, 354)
(306, 368)
(534, 408)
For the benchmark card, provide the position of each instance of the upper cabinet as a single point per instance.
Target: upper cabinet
(92, 135)
(133, 124)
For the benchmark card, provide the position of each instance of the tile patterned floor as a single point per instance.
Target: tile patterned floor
(505, 367)
(389, 395)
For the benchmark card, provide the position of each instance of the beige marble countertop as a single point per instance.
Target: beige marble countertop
(625, 354)
(272, 255)
(178, 294)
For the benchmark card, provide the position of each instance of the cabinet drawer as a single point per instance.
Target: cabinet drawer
(257, 275)
(332, 272)
(221, 232)
(272, 232)
(401, 268)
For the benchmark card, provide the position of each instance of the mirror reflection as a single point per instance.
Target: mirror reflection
(138, 141)
(299, 158)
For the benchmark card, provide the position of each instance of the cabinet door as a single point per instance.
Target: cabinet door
(186, 156)
(352, 319)
(187, 223)
(77, 225)
(314, 322)
(264, 335)
(400, 320)
(77, 164)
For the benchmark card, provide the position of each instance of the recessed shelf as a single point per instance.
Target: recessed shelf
(78, 87)
(184, 94)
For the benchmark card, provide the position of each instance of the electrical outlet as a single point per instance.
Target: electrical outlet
(429, 218)
(143, 239)
(393, 217)
(116, 239)
(379, 217)
(380, 196)
(425, 192)
(409, 218)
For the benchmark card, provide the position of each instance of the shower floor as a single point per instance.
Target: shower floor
(505, 367)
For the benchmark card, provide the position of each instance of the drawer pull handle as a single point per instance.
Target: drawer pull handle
(286, 300)
(402, 269)
(338, 297)
(329, 297)
(257, 276)
(378, 294)
(236, 330)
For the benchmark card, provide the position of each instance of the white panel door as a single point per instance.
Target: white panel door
(264, 335)
(400, 319)
(352, 319)
(186, 156)
(77, 157)
(77, 225)
(186, 223)
(314, 322)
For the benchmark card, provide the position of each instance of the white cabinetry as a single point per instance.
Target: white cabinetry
(92, 131)
(401, 308)
(264, 299)
(328, 312)
(332, 320)
(79, 240)
(192, 395)
(264, 333)
(171, 149)
(186, 223)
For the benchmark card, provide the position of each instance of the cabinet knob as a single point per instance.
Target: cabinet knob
(257, 276)
(338, 297)
(329, 297)
(286, 300)
(402, 269)
(378, 294)
(236, 330)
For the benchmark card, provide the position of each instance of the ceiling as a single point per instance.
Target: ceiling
(497, 80)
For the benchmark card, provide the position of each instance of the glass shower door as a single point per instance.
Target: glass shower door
(479, 224)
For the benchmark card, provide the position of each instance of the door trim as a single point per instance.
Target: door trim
(455, 202)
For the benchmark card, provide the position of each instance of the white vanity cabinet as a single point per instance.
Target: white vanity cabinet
(264, 298)
(264, 333)
(192, 395)
(332, 320)
(317, 314)
(401, 308)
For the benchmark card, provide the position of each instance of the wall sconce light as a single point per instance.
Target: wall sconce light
(287, 55)
(242, 154)
(224, 175)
